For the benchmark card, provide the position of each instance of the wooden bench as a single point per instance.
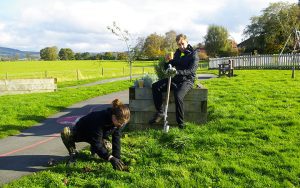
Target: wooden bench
(226, 68)
(142, 108)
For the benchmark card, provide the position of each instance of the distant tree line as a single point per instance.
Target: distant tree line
(52, 54)
(150, 48)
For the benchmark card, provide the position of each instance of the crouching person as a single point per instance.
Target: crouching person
(94, 128)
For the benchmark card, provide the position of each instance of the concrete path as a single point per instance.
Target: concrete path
(206, 76)
(200, 77)
(106, 81)
(31, 150)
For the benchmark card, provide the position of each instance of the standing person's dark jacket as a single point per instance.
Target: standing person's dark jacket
(186, 64)
(95, 126)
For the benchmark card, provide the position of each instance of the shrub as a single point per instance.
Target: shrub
(149, 79)
(160, 69)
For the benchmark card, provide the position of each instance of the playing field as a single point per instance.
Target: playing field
(72, 70)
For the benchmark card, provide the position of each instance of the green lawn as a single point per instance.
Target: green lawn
(251, 139)
(72, 70)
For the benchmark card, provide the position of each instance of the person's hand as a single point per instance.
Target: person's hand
(169, 56)
(117, 164)
(171, 71)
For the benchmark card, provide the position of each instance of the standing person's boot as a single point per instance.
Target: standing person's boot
(156, 118)
(181, 126)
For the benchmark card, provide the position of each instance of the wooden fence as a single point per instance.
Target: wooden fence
(276, 61)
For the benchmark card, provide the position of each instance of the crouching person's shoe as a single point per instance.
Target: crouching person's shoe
(156, 118)
(107, 144)
(67, 137)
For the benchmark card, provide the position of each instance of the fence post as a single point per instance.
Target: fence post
(77, 74)
(102, 71)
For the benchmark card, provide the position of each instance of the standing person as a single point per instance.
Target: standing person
(97, 126)
(186, 63)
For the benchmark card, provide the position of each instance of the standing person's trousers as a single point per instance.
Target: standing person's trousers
(180, 90)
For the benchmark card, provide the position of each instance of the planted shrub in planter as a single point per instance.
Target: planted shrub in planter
(160, 69)
(147, 80)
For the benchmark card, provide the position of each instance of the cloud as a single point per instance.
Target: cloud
(81, 24)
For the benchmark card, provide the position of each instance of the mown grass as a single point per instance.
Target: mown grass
(251, 139)
(72, 70)
(18, 112)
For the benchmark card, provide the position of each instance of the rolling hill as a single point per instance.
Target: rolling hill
(10, 53)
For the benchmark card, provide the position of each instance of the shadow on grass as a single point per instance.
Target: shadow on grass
(56, 108)
(32, 118)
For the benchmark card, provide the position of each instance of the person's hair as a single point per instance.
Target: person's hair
(121, 111)
(180, 37)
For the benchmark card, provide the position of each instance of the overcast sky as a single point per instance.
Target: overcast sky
(81, 25)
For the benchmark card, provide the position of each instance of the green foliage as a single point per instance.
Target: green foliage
(109, 55)
(49, 53)
(216, 40)
(268, 32)
(170, 44)
(148, 79)
(66, 54)
(159, 69)
(85, 55)
(153, 46)
(122, 56)
(67, 70)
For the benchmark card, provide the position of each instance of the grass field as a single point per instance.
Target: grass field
(72, 70)
(251, 139)
(76, 72)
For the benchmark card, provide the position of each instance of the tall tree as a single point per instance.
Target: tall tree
(138, 49)
(77, 56)
(122, 56)
(85, 55)
(108, 56)
(268, 32)
(49, 53)
(66, 54)
(154, 46)
(216, 40)
(170, 44)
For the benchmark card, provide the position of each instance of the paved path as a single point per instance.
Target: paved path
(31, 150)
(200, 77)
(106, 81)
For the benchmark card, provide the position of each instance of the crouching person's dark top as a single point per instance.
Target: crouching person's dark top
(96, 126)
